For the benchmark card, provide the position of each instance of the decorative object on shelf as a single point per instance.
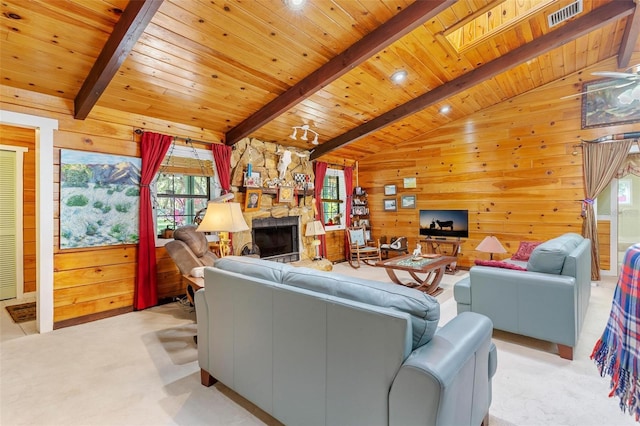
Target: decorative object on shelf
(491, 245)
(390, 205)
(304, 137)
(417, 252)
(389, 190)
(252, 179)
(301, 180)
(283, 163)
(409, 182)
(252, 200)
(223, 218)
(285, 194)
(408, 202)
(314, 229)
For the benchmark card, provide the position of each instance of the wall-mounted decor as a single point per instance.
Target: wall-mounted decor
(99, 199)
(252, 180)
(390, 205)
(409, 182)
(285, 194)
(606, 103)
(389, 190)
(624, 192)
(408, 202)
(252, 200)
(301, 180)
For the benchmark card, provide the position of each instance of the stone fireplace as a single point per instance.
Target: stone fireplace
(273, 216)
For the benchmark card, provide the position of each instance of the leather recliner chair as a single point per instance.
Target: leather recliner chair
(190, 249)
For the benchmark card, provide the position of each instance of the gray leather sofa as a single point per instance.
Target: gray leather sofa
(548, 301)
(318, 348)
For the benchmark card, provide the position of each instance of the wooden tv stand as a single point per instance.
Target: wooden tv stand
(436, 245)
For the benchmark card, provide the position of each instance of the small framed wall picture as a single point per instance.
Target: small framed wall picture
(252, 200)
(409, 182)
(285, 194)
(390, 205)
(389, 190)
(252, 180)
(408, 202)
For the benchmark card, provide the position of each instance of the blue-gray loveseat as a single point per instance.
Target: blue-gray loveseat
(548, 301)
(319, 348)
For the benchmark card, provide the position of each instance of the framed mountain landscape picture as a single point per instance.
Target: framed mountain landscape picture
(99, 199)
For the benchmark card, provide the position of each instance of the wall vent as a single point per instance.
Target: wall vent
(565, 13)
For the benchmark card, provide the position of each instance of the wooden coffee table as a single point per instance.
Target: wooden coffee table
(433, 267)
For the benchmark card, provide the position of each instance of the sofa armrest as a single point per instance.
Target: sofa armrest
(447, 380)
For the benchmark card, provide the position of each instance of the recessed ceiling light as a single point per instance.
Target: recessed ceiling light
(399, 76)
(445, 109)
(295, 4)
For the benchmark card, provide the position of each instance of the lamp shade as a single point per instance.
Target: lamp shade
(223, 217)
(314, 228)
(491, 244)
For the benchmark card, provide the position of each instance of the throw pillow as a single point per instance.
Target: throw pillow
(499, 264)
(525, 249)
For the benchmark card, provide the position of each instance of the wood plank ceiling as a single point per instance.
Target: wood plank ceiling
(256, 68)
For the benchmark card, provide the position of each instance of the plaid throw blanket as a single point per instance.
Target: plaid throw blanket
(617, 353)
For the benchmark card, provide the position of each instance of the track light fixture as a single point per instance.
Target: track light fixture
(304, 137)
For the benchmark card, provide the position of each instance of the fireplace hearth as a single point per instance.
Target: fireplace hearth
(277, 238)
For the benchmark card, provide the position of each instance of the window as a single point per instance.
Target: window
(179, 198)
(333, 199)
(183, 186)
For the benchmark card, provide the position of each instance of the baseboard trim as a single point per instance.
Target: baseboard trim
(92, 317)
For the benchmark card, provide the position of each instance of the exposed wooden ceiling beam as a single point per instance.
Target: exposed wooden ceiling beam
(125, 34)
(401, 24)
(629, 39)
(568, 32)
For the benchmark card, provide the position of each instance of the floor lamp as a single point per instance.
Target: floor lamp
(223, 218)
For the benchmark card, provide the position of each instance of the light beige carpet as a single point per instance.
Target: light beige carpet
(140, 368)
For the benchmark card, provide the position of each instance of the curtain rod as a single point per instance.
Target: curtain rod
(613, 138)
(187, 140)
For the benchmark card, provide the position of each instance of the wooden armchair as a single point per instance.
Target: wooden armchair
(361, 250)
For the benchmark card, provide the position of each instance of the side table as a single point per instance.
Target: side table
(192, 285)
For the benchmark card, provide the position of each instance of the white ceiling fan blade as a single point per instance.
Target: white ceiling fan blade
(617, 86)
(614, 74)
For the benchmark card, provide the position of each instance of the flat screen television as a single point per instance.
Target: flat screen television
(444, 223)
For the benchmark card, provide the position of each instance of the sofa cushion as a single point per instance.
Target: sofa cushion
(525, 249)
(254, 267)
(499, 264)
(549, 256)
(424, 309)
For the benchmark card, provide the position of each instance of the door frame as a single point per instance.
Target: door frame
(45, 128)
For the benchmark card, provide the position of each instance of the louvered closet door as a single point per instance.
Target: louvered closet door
(8, 218)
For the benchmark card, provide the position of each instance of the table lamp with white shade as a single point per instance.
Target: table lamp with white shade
(314, 229)
(223, 218)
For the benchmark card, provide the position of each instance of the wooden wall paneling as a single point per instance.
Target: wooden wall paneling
(98, 282)
(335, 246)
(511, 165)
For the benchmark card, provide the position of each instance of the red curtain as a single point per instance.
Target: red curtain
(320, 170)
(348, 184)
(153, 148)
(222, 157)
